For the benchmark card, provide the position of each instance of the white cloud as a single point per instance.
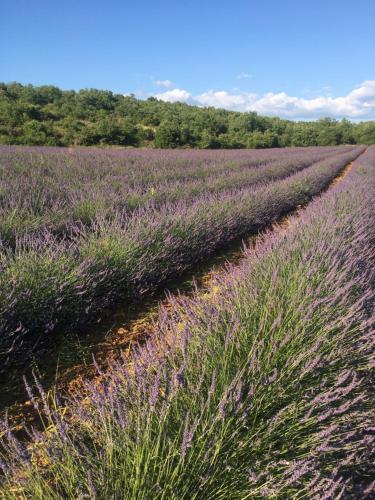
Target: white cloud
(174, 95)
(223, 99)
(243, 76)
(357, 104)
(164, 83)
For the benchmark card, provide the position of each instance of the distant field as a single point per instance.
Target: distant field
(260, 386)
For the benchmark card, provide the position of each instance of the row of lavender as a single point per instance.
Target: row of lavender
(48, 283)
(262, 388)
(56, 190)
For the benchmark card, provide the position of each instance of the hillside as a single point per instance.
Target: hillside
(47, 115)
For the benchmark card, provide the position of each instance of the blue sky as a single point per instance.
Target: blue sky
(299, 59)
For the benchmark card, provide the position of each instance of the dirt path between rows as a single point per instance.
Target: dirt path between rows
(341, 176)
(127, 327)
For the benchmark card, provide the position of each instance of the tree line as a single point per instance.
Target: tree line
(47, 115)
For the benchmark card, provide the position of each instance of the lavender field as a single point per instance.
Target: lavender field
(84, 230)
(260, 386)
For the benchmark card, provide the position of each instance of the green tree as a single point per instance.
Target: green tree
(167, 135)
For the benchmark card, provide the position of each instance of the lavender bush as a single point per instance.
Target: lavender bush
(49, 283)
(259, 388)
